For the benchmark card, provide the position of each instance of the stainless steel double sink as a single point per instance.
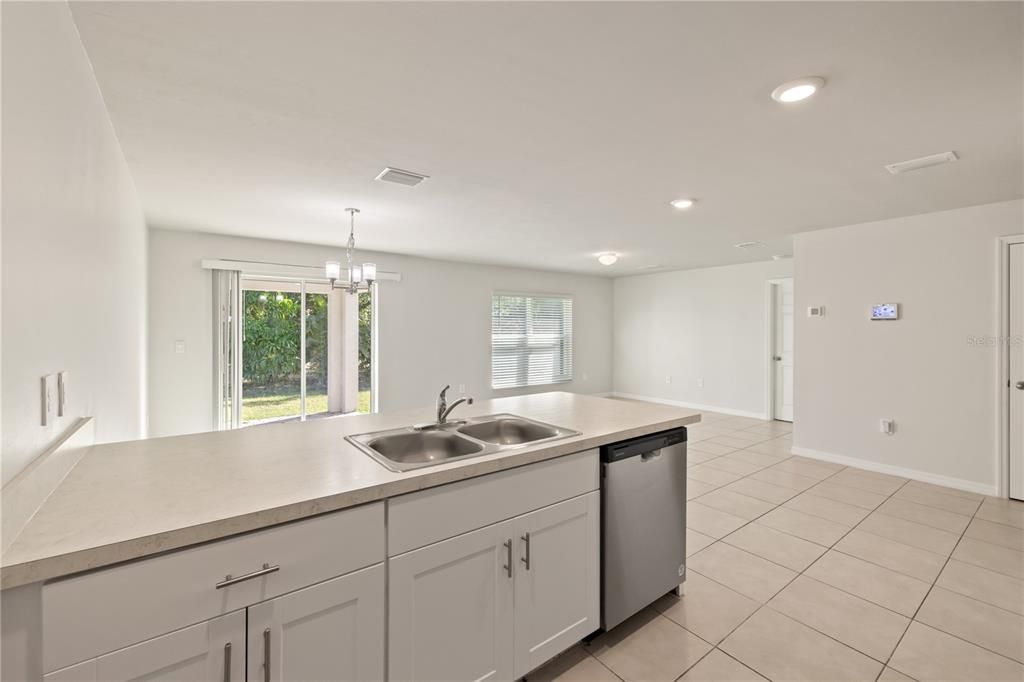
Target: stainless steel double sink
(414, 447)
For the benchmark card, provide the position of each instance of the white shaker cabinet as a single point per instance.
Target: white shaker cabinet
(330, 631)
(213, 650)
(472, 608)
(451, 608)
(557, 600)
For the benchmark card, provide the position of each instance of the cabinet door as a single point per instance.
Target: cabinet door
(557, 597)
(451, 609)
(330, 631)
(213, 650)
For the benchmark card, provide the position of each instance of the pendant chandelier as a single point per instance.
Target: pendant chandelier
(360, 277)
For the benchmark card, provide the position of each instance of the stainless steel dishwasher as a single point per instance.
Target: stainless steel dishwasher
(643, 522)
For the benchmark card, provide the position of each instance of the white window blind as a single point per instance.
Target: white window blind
(531, 340)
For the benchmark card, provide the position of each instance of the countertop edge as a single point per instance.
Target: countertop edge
(63, 565)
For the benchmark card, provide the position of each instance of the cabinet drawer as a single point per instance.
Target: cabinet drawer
(93, 613)
(428, 516)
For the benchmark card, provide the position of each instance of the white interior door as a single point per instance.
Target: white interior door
(783, 350)
(1016, 387)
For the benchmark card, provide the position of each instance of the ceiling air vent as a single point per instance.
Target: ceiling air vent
(923, 162)
(401, 177)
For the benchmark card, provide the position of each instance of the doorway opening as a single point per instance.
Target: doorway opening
(1011, 359)
(302, 350)
(780, 350)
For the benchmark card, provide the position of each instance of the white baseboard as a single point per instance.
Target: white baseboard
(691, 406)
(915, 474)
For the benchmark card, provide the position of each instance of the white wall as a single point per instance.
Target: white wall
(74, 242)
(921, 371)
(434, 324)
(708, 323)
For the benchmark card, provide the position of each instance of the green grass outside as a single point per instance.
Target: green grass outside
(285, 403)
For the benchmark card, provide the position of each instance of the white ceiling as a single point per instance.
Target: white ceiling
(553, 131)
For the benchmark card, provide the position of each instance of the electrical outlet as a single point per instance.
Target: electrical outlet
(668, 378)
(888, 426)
(586, 376)
(179, 347)
(462, 388)
(700, 382)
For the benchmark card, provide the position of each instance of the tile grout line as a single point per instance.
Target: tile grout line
(932, 587)
(934, 582)
(800, 573)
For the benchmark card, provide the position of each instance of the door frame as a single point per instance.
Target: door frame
(1003, 363)
(769, 343)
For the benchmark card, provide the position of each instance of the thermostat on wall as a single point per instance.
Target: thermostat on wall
(885, 311)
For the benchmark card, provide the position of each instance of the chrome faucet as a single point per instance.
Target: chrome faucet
(444, 409)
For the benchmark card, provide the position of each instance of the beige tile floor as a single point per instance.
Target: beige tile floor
(804, 570)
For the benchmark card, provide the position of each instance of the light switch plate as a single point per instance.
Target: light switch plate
(48, 390)
(62, 393)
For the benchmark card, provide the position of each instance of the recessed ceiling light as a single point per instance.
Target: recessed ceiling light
(800, 89)
(748, 245)
(607, 258)
(683, 204)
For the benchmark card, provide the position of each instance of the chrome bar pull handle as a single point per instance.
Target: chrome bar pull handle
(266, 655)
(508, 557)
(227, 662)
(228, 580)
(526, 559)
(1020, 385)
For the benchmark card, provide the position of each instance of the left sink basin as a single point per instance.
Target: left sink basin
(423, 447)
(409, 448)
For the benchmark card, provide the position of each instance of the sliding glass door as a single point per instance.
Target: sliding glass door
(272, 378)
(290, 350)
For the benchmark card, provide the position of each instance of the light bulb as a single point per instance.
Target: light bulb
(333, 269)
(607, 258)
(369, 271)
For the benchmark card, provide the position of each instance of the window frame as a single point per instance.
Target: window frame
(572, 336)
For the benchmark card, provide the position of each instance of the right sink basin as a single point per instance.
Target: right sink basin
(508, 431)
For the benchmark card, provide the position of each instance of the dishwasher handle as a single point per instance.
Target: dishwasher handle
(649, 455)
(644, 445)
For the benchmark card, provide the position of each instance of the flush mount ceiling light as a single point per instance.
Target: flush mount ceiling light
(923, 162)
(781, 256)
(607, 258)
(800, 89)
(682, 204)
(360, 277)
(748, 245)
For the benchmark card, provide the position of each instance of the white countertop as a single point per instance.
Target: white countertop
(133, 499)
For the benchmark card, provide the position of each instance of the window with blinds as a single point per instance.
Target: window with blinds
(531, 340)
